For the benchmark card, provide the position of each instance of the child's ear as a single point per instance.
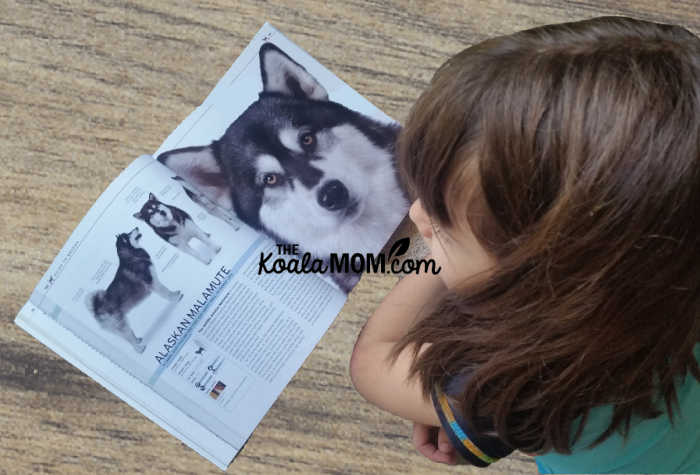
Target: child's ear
(420, 218)
(282, 74)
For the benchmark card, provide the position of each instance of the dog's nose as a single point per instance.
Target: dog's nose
(333, 195)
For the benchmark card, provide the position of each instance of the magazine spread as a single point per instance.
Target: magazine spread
(182, 290)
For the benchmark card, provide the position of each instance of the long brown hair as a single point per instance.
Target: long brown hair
(585, 141)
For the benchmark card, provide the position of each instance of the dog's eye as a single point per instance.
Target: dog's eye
(307, 140)
(272, 179)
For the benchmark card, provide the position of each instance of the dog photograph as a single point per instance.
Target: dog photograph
(176, 227)
(134, 281)
(300, 167)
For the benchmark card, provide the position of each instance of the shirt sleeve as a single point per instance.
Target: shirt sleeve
(476, 449)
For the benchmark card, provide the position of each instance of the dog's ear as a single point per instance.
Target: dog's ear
(283, 75)
(138, 215)
(199, 168)
(152, 197)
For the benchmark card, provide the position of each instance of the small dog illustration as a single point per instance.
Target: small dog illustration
(134, 281)
(176, 227)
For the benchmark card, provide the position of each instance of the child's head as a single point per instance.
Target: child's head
(572, 153)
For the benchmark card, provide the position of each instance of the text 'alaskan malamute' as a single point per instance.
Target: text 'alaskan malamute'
(177, 227)
(302, 168)
(134, 281)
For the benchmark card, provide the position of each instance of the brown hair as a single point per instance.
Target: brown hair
(585, 142)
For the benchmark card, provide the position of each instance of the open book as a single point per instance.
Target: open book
(205, 274)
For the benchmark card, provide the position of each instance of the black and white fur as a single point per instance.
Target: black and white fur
(134, 280)
(177, 227)
(302, 168)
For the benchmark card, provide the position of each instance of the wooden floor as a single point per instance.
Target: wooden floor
(86, 86)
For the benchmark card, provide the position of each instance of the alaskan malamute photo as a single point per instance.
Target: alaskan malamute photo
(176, 227)
(134, 281)
(302, 168)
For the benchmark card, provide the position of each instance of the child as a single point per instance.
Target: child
(557, 176)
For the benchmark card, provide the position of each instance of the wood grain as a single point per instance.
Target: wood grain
(86, 86)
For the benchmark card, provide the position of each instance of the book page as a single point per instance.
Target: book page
(199, 326)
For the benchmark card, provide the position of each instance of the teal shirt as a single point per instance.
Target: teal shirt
(652, 446)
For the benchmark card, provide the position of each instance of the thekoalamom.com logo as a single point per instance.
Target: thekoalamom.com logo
(344, 262)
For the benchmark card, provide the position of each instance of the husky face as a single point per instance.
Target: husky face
(130, 240)
(155, 213)
(300, 167)
(307, 173)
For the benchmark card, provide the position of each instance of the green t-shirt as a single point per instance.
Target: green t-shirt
(652, 445)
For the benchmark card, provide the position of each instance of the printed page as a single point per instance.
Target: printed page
(189, 319)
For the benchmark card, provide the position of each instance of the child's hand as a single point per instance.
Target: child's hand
(433, 443)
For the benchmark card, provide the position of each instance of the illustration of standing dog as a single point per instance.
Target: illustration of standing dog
(134, 281)
(176, 227)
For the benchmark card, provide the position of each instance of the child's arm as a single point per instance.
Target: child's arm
(388, 386)
(374, 378)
